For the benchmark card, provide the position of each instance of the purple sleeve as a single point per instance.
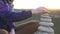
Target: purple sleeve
(6, 13)
(20, 15)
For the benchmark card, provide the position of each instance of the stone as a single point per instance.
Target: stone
(46, 23)
(45, 29)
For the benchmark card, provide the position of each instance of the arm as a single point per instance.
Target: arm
(20, 15)
(6, 13)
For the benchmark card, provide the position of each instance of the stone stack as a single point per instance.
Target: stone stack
(46, 25)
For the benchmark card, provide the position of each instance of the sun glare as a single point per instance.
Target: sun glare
(32, 4)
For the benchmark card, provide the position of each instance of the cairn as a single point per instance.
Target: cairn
(46, 25)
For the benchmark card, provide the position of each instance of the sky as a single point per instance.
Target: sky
(33, 4)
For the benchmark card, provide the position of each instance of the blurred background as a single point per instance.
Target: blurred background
(52, 5)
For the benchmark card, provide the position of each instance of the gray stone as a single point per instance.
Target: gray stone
(45, 29)
(42, 33)
(46, 23)
(45, 19)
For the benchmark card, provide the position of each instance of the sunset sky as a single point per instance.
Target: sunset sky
(33, 4)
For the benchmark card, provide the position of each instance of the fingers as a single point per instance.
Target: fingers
(42, 9)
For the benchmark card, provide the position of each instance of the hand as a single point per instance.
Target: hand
(40, 10)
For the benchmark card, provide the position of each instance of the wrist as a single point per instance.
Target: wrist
(33, 11)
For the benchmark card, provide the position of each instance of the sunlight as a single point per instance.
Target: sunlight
(32, 4)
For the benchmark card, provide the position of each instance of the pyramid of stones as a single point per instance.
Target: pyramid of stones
(45, 25)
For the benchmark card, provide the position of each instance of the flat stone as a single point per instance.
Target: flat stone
(46, 23)
(45, 29)
(42, 33)
(46, 19)
(45, 14)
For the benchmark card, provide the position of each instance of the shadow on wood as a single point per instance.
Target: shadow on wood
(28, 28)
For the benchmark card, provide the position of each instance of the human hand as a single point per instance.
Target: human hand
(40, 10)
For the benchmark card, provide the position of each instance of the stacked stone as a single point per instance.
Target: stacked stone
(46, 25)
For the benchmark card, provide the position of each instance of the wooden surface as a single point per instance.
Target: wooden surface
(28, 28)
